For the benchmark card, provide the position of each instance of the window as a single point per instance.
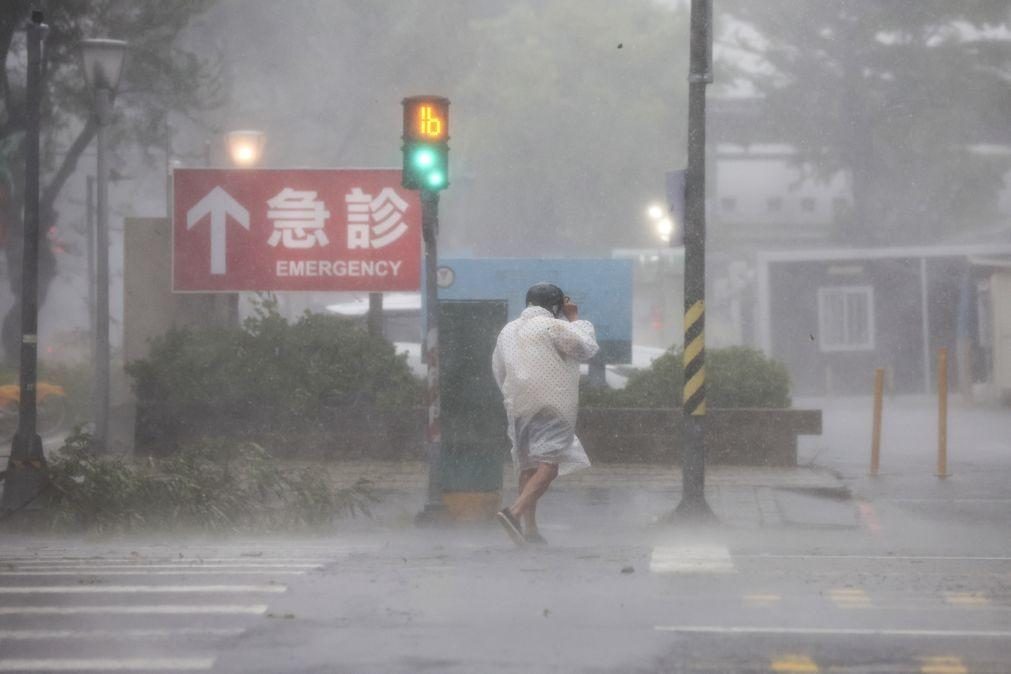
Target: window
(728, 204)
(846, 318)
(774, 204)
(807, 204)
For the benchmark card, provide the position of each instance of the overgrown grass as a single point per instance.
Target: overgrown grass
(209, 485)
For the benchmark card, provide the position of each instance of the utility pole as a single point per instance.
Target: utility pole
(693, 504)
(26, 476)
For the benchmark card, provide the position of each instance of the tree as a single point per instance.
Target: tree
(564, 116)
(159, 77)
(896, 94)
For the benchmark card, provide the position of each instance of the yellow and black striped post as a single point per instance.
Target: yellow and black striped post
(693, 454)
(694, 360)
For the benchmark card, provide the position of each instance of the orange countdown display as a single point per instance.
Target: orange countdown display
(426, 119)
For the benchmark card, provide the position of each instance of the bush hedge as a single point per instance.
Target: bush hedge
(208, 485)
(268, 376)
(736, 377)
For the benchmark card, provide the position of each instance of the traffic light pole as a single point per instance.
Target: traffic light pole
(434, 507)
(26, 475)
(693, 504)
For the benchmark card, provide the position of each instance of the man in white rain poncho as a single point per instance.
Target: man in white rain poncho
(536, 364)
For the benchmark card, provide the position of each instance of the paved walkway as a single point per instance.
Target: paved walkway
(741, 496)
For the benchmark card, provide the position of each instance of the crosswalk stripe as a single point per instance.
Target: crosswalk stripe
(181, 572)
(691, 559)
(139, 589)
(157, 633)
(104, 664)
(113, 567)
(158, 609)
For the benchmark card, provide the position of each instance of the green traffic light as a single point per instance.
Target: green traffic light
(436, 179)
(424, 158)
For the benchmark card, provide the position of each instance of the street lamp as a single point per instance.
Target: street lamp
(25, 475)
(664, 223)
(102, 62)
(245, 147)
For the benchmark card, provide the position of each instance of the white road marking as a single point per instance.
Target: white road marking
(105, 664)
(163, 559)
(691, 559)
(181, 572)
(159, 609)
(834, 631)
(182, 567)
(139, 589)
(925, 558)
(158, 633)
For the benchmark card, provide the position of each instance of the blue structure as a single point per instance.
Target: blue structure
(601, 287)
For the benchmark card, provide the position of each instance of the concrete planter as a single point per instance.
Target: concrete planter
(749, 437)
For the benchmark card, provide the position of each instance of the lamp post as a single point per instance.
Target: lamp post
(25, 467)
(102, 61)
(245, 149)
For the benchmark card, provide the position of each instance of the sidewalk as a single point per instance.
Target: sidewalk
(741, 496)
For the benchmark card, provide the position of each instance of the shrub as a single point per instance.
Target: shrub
(211, 484)
(268, 376)
(735, 377)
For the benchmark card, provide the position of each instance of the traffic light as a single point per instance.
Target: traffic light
(426, 147)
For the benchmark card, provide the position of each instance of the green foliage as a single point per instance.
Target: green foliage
(210, 484)
(268, 376)
(160, 77)
(893, 93)
(577, 105)
(736, 377)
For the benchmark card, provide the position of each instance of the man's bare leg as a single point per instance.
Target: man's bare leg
(534, 488)
(529, 517)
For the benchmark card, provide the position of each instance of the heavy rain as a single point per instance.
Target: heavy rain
(505, 336)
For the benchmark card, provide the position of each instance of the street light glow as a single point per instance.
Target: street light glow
(655, 212)
(665, 228)
(245, 147)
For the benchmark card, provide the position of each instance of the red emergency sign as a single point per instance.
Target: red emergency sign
(294, 230)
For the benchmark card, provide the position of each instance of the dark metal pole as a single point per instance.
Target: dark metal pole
(89, 228)
(375, 317)
(103, 108)
(693, 460)
(26, 475)
(434, 507)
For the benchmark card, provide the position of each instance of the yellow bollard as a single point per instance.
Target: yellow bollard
(879, 387)
(942, 413)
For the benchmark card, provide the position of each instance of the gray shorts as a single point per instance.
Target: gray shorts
(542, 438)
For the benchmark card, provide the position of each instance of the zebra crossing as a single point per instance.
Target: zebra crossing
(148, 608)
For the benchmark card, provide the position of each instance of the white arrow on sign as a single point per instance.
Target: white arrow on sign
(219, 204)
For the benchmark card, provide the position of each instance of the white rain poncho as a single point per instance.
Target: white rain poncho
(536, 364)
